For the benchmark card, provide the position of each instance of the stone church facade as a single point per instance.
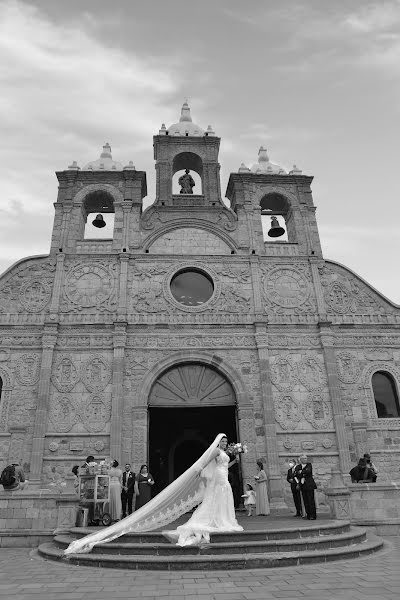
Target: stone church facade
(191, 321)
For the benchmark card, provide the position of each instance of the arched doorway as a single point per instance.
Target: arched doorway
(189, 404)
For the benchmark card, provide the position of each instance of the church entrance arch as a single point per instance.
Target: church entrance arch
(189, 404)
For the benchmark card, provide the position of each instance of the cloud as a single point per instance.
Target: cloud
(64, 93)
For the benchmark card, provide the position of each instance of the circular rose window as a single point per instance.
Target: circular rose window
(191, 287)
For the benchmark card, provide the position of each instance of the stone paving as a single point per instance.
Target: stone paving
(23, 576)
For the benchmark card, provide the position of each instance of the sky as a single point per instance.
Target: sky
(316, 83)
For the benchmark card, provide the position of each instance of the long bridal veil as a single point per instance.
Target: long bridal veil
(180, 496)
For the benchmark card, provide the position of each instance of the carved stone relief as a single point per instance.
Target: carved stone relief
(287, 412)
(287, 289)
(376, 354)
(344, 293)
(63, 414)
(96, 373)
(318, 412)
(96, 413)
(27, 287)
(28, 369)
(348, 367)
(22, 407)
(284, 374)
(312, 374)
(90, 284)
(65, 375)
(233, 301)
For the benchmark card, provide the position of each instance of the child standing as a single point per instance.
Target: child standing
(250, 501)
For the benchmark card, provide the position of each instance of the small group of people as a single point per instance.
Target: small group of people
(365, 471)
(13, 477)
(303, 486)
(257, 499)
(128, 491)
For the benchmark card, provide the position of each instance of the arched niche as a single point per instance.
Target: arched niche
(274, 204)
(94, 203)
(191, 161)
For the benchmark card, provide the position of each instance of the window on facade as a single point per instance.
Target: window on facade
(191, 287)
(385, 395)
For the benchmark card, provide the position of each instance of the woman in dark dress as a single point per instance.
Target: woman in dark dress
(144, 483)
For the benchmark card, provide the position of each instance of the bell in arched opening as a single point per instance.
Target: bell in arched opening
(276, 230)
(100, 222)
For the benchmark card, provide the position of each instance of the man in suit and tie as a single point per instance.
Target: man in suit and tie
(128, 489)
(304, 477)
(295, 487)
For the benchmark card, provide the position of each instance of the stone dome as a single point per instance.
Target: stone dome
(265, 166)
(185, 125)
(105, 162)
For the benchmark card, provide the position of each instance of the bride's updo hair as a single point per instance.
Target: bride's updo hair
(260, 463)
(115, 464)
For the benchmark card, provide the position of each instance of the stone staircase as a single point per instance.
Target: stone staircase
(272, 546)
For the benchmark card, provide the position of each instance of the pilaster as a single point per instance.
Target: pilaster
(119, 341)
(49, 340)
(274, 474)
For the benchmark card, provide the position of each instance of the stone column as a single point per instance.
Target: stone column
(119, 340)
(139, 436)
(274, 474)
(123, 285)
(48, 343)
(58, 279)
(337, 405)
(17, 444)
(247, 436)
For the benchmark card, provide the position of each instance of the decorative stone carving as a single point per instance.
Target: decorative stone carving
(27, 286)
(147, 272)
(283, 373)
(232, 301)
(286, 287)
(228, 219)
(90, 285)
(327, 443)
(22, 407)
(149, 300)
(348, 367)
(28, 369)
(195, 341)
(288, 443)
(318, 412)
(96, 373)
(35, 295)
(287, 412)
(311, 374)
(308, 445)
(293, 341)
(236, 275)
(65, 375)
(53, 446)
(99, 445)
(76, 446)
(339, 298)
(376, 354)
(96, 413)
(150, 219)
(4, 354)
(63, 414)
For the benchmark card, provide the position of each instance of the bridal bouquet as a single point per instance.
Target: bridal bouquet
(236, 448)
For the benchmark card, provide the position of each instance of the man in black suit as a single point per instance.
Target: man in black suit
(295, 487)
(304, 477)
(128, 487)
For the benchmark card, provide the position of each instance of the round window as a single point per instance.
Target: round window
(191, 288)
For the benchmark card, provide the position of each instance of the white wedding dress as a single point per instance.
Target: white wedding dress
(205, 485)
(215, 513)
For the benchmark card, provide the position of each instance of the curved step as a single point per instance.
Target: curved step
(305, 530)
(218, 562)
(354, 536)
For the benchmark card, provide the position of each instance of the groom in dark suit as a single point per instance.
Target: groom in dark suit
(127, 491)
(304, 477)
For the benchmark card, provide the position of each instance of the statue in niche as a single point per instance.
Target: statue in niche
(186, 182)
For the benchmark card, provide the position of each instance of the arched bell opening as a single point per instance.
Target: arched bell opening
(187, 165)
(274, 213)
(99, 215)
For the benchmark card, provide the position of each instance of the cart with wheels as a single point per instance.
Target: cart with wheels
(94, 494)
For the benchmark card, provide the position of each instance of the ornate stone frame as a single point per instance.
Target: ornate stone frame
(5, 396)
(366, 383)
(198, 266)
(184, 224)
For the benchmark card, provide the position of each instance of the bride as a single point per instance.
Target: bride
(205, 483)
